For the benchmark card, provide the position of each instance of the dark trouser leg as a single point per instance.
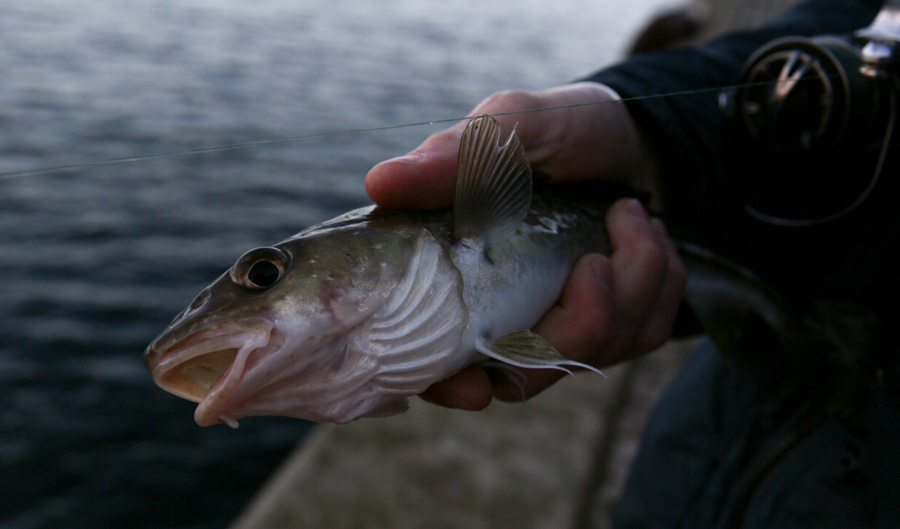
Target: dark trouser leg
(730, 446)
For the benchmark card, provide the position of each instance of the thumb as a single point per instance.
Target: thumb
(426, 177)
(423, 179)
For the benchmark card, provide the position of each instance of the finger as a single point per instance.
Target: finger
(423, 179)
(658, 324)
(577, 325)
(575, 132)
(469, 389)
(426, 177)
(640, 263)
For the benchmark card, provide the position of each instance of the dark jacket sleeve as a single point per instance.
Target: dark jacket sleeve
(687, 130)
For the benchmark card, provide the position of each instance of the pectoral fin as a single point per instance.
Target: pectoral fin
(529, 350)
(493, 183)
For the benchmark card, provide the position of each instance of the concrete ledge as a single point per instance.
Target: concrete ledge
(556, 461)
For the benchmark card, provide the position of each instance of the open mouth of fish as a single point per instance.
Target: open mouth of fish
(207, 367)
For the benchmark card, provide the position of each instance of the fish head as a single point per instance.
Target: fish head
(276, 334)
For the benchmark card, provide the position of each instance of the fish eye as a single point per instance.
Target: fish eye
(260, 268)
(263, 273)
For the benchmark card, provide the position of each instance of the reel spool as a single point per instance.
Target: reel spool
(811, 127)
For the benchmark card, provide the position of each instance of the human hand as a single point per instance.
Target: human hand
(576, 143)
(612, 308)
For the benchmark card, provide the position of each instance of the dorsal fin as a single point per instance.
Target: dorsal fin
(493, 182)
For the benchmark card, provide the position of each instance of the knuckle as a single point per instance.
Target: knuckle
(506, 100)
(591, 330)
(649, 255)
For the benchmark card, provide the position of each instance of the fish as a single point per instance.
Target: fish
(352, 317)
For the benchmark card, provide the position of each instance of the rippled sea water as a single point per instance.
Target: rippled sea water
(96, 261)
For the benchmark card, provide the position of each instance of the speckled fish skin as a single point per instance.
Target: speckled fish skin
(349, 318)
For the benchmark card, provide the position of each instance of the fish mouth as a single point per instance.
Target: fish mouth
(208, 366)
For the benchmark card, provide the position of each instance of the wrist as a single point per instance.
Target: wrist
(632, 161)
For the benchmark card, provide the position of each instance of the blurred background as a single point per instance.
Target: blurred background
(96, 261)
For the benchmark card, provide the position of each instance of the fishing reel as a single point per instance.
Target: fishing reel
(813, 118)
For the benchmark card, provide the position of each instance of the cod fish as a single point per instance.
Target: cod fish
(349, 318)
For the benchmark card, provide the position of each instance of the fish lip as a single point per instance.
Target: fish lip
(170, 343)
(211, 409)
(246, 337)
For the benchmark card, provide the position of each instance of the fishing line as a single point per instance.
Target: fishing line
(276, 141)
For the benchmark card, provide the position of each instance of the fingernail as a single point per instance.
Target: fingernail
(509, 392)
(636, 209)
(447, 400)
(413, 157)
